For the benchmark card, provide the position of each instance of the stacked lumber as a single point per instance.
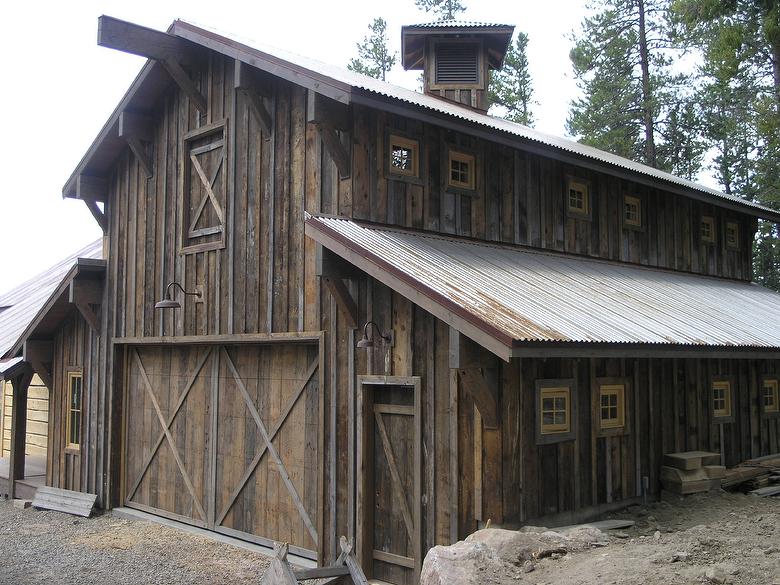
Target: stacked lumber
(753, 474)
(70, 502)
(691, 472)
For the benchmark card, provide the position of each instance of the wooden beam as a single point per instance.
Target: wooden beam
(329, 264)
(91, 187)
(335, 148)
(248, 77)
(39, 353)
(186, 84)
(136, 129)
(20, 384)
(260, 112)
(343, 299)
(83, 294)
(328, 116)
(139, 40)
(480, 383)
(99, 216)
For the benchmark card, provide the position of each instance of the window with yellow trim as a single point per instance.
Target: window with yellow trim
(612, 400)
(404, 156)
(555, 411)
(707, 229)
(769, 395)
(75, 398)
(578, 197)
(732, 234)
(721, 399)
(462, 171)
(632, 211)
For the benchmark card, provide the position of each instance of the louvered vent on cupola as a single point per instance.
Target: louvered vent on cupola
(456, 57)
(457, 64)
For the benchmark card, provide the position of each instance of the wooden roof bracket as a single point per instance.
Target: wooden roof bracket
(328, 116)
(245, 81)
(477, 375)
(39, 353)
(84, 294)
(170, 51)
(332, 271)
(138, 129)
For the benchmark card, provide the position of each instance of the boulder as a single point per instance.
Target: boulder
(463, 563)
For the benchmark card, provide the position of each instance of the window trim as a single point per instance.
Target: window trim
(465, 155)
(729, 245)
(395, 174)
(713, 237)
(431, 73)
(556, 385)
(727, 414)
(630, 224)
(188, 244)
(574, 212)
(627, 392)
(775, 412)
(619, 391)
(71, 373)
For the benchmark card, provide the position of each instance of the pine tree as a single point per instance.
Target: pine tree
(633, 103)
(740, 76)
(444, 9)
(374, 57)
(511, 88)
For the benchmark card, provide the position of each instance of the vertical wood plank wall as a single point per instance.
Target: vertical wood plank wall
(264, 281)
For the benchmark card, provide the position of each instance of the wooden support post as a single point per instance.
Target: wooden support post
(84, 293)
(136, 129)
(344, 300)
(99, 216)
(186, 85)
(328, 116)
(477, 375)
(20, 383)
(260, 112)
(39, 354)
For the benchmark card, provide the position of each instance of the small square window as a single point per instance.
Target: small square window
(769, 395)
(732, 234)
(721, 399)
(707, 229)
(612, 406)
(632, 211)
(577, 197)
(554, 411)
(404, 156)
(461, 173)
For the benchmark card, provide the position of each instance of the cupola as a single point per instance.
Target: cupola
(456, 57)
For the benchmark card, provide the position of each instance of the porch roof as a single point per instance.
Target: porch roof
(519, 301)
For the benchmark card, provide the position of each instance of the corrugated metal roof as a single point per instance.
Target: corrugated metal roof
(457, 24)
(26, 300)
(355, 80)
(540, 296)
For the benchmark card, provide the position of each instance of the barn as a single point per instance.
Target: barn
(331, 306)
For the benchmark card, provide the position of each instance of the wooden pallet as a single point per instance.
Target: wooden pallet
(280, 572)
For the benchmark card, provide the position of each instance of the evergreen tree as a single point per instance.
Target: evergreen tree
(511, 88)
(740, 75)
(444, 9)
(633, 104)
(374, 57)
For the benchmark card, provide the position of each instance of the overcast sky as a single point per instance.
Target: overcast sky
(59, 88)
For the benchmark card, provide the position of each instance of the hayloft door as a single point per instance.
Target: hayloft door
(389, 494)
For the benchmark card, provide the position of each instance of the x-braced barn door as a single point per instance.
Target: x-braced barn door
(227, 438)
(389, 494)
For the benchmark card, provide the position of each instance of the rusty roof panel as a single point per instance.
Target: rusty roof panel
(539, 296)
(19, 306)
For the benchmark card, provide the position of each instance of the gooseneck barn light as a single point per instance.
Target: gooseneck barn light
(168, 302)
(367, 343)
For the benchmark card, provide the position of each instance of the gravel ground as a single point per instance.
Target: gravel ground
(38, 546)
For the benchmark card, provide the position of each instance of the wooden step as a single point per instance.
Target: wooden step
(70, 502)
(688, 460)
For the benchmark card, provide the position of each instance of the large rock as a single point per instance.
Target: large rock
(464, 563)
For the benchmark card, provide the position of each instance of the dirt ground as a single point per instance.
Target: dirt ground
(39, 546)
(704, 538)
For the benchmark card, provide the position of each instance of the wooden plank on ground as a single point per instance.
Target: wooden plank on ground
(70, 502)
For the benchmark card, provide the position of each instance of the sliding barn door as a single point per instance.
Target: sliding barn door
(227, 438)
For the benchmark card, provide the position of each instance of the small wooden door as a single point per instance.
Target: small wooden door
(389, 496)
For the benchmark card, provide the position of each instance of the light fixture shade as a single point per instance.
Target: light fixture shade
(365, 343)
(167, 304)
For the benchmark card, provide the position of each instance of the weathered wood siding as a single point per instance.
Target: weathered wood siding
(37, 418)
(75, 348)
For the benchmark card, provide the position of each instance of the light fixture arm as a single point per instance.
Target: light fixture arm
(176, 284)
(386, 338)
